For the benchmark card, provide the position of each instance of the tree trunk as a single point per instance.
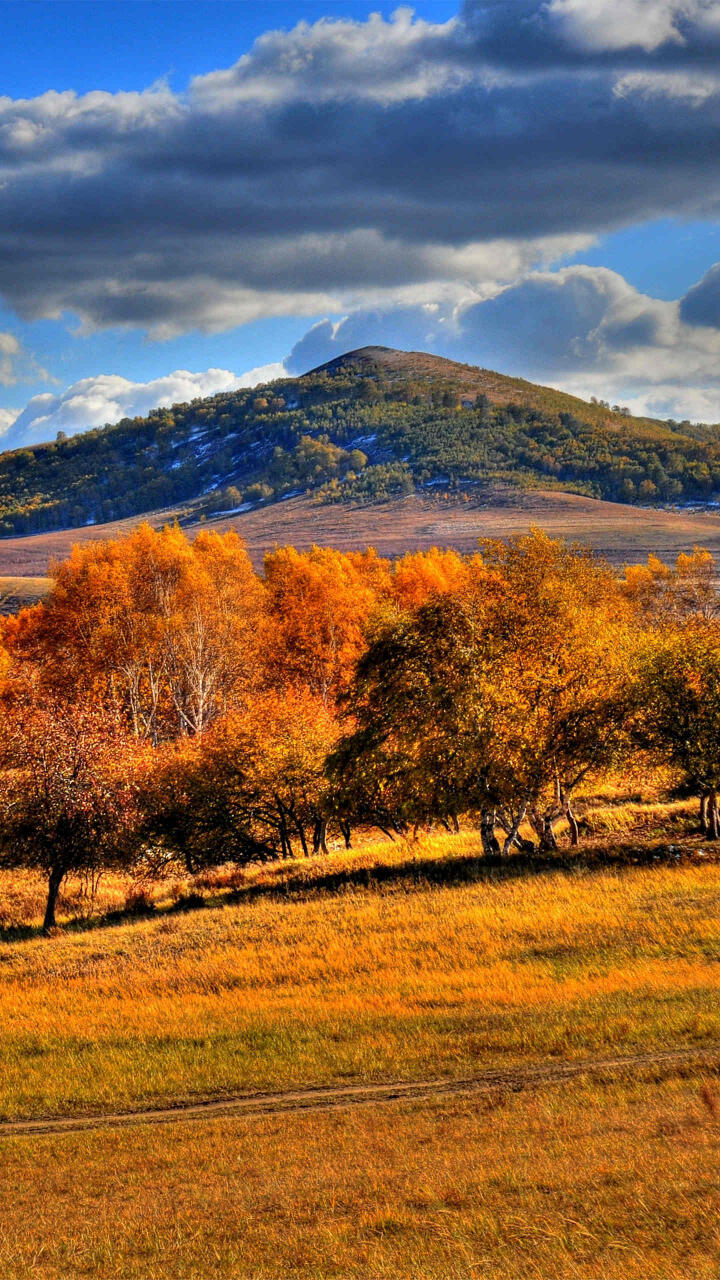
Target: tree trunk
(543, 825)
(491, 847)
(287, 849)
(57, 875)
(320, 836)
(704, 813)
(303, 838)
(512, 832)
(572, 823)
(713, 826)
(548, 842)
(345, 831)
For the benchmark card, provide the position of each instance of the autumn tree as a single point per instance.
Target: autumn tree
(420, 743)
(500, 698)
(680, 717)
(665, 595)
(252, 789)
(67, 801)
(567, 643)
(319, 603)
(419, 575)
(161, 630)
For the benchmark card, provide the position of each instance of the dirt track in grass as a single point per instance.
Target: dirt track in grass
(648, 1066)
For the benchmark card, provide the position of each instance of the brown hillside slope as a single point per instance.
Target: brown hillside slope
(621, 532)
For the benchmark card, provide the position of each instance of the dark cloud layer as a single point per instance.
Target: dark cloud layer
(604, 34)
(345, 164)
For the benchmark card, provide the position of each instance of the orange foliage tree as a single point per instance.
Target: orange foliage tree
(252, 789)
(159, 629)
(665, 595)
(319, 604)
(420, 575)
(68, 802)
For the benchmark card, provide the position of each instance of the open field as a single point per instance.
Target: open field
(437, 967)
(18, 593)
(579, 995)
(588, 1182)
(623, 533)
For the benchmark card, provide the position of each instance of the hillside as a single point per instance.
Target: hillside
(372, 425)
(622, 533)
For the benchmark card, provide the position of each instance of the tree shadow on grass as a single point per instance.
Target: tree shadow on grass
(410, 875)
(418, 873)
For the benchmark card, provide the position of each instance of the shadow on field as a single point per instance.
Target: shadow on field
(413, 873)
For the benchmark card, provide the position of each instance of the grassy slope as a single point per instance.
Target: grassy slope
(613, 1183)
(624, 533)
(412, 980)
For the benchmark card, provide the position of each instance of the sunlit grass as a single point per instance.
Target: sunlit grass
(579, 1183)
(401, 979)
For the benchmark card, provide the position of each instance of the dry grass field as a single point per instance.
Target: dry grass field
(436, 967)
(617, 1182)
(18, 593)
(407, 961)
(623, 533)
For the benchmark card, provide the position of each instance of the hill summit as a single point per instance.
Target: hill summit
(369, 425)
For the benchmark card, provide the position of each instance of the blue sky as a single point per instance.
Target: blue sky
(531, 186)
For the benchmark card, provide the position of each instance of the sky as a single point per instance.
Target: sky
(202, 194)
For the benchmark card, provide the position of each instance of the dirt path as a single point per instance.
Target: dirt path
(660, 1065)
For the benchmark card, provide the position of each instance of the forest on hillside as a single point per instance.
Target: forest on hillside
(167, 705)
(346, 436)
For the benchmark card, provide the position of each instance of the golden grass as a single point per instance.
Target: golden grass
(401, 979)
(584, 1183)
(19, 593)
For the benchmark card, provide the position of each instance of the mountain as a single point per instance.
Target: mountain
(370, 425)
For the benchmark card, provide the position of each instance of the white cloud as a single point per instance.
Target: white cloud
(9, 351)
(7, 417)
(583, 329)
(621, 24)
(93, 402)
(381, 61)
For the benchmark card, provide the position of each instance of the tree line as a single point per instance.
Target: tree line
(169, 705)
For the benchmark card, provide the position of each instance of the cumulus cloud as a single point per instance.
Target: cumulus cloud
(9, 352)
(346, 164)
(376, 60)
(93, 402)
(7, 417)
(584, 329)
(572, 33)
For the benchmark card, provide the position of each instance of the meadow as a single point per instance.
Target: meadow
(408, 960)
(612, 1183)
(621, 532)
(417, 962)
(511, 1006)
